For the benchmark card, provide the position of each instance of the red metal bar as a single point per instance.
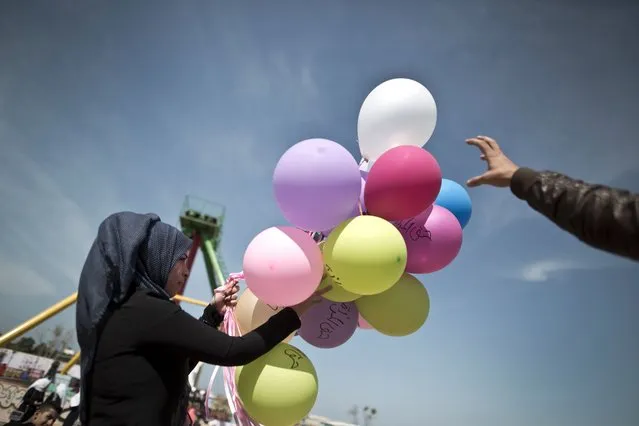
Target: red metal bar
(197, 241)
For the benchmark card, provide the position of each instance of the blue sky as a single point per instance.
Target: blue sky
(108, 106)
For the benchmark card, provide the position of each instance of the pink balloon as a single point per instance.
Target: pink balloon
(362, 323)
(433, 240)
(283, 266)
(402, 183)
(329, 324)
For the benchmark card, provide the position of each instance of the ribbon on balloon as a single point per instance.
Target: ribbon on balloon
(230, 327)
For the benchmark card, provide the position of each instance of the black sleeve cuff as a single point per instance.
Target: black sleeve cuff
(211, 317)
(290, 318)
(522, 180)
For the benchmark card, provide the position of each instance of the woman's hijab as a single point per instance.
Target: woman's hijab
(131, 251)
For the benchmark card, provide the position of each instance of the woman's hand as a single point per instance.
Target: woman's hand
(301, 308)
(226, 296)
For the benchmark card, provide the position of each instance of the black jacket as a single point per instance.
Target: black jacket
(147, 349)
(600, 216)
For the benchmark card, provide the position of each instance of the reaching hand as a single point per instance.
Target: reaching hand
(226, 296)
(500, 168)
(301, 308)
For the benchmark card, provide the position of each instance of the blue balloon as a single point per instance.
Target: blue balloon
(454, 198)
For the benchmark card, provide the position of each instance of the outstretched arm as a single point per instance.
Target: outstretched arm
(178, 331)
(212, 318)
(602, 217)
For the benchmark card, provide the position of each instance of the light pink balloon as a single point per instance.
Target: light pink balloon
(362, 323)
(433, 240)
(283, 266)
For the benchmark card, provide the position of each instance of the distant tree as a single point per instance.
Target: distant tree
(49, 343)
(24, 344)
(55, 341)
(354, 412)
(41, 349)
(369, 415)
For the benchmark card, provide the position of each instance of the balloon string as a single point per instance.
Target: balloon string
(230, 327)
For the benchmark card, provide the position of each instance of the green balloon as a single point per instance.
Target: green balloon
(399, 311)
(279, 388)
(337, 292)
(365, 255)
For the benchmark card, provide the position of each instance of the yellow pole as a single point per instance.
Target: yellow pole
(38, 319)
(186, 299)
(71, 363)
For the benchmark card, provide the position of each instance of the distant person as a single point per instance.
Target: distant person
(31, 399)
(57, 398)
(53, 370)
(600, 216)
(45, 415)
(137, 345)
(74, 410)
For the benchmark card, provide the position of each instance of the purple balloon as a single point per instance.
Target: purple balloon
(356, 212)
(317, 184)
(329, 324)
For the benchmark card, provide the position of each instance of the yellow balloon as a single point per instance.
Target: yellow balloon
(365, 255)
(337, 292)
(400, 310)
(279, 388)
(251, 312)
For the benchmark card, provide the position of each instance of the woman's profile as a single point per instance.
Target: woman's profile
(138, 347)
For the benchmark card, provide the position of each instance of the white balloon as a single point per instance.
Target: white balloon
(397, 112)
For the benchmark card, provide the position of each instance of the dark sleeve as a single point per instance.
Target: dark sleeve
(28, 395)
(212, 318)
(176, 330)
(603, 217)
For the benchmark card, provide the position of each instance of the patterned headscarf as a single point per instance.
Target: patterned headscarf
(132, 251)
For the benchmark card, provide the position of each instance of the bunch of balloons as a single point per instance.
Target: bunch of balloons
(379, 221)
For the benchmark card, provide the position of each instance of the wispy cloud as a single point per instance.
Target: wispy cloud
(541, 271)
(545, 269)
(50, 232)
(20, 279)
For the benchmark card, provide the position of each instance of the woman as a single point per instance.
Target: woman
(74, 407)
(32, 397)
(137, 346)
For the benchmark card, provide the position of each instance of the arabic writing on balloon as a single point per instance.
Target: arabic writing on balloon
(413, 230)
(331, 274)
(335, 319)
(295, 356)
